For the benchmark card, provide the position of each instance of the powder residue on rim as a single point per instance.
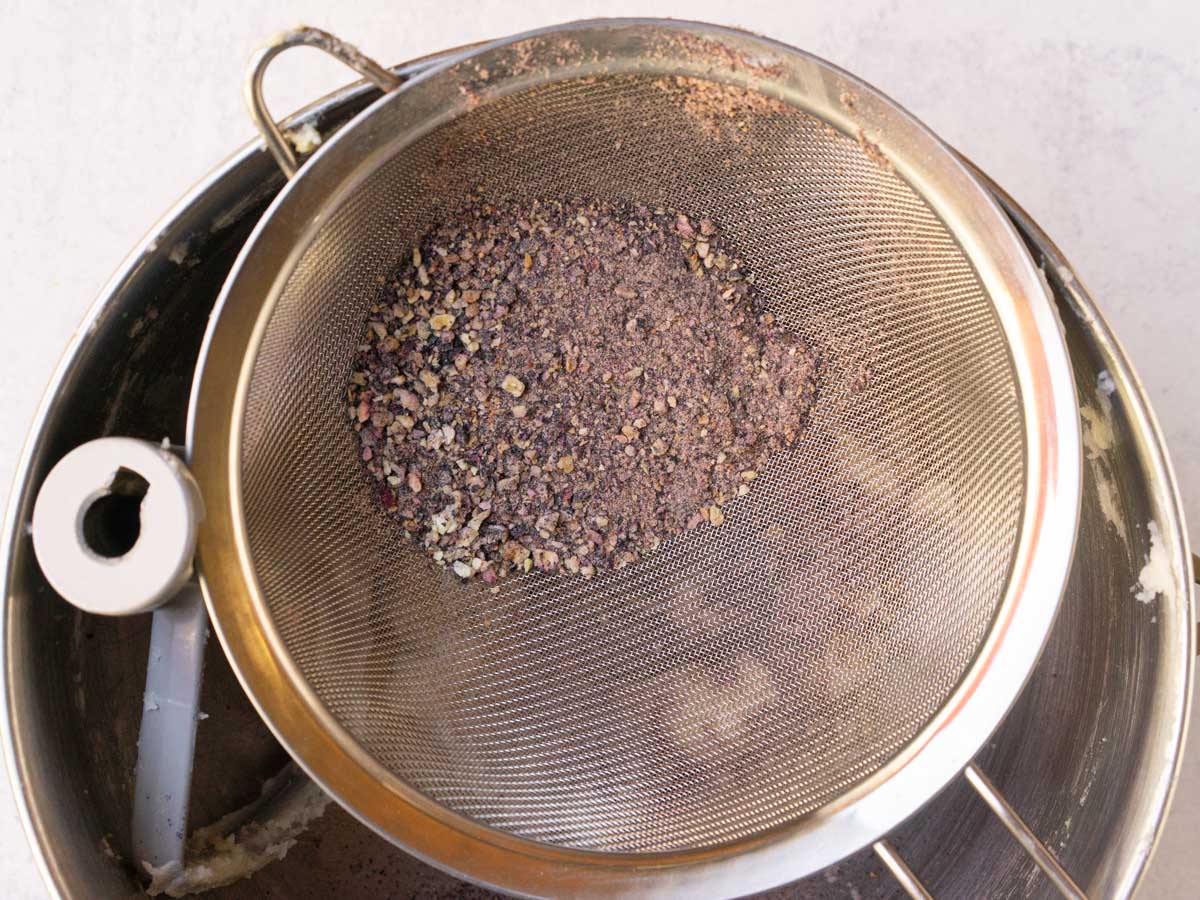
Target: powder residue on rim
(709, 52)
(721, 111)
(873, 151)
(532, 56)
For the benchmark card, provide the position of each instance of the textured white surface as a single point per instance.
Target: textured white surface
(157, 565)
(1089, 113)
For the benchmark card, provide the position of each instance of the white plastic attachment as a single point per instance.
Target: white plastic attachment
(142, 576)
(167, 739)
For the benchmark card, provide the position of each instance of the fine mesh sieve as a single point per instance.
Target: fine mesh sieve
(832, 642)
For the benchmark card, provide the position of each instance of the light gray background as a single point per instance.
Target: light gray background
(1088, 113)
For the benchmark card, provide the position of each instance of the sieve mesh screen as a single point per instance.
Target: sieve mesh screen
(742, 676)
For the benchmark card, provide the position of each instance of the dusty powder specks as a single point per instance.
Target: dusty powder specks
(721, 111)
(706, 51)
(874, 151)
(566, 385)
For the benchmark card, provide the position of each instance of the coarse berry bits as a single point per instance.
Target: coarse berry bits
(566, 385)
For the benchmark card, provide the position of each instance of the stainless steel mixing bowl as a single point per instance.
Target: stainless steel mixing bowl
(1088, 755)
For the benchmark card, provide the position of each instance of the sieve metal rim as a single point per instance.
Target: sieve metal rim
(881, 801)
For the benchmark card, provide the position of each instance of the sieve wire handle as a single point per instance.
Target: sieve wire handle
(900, 870)
(1037, 851)
(303, 36)
(1017, 827)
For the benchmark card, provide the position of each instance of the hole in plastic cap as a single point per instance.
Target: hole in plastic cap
(113, 522)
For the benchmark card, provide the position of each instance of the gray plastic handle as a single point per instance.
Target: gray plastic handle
(167, 739)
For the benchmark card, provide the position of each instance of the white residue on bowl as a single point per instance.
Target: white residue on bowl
(1099, 438)
(1156, 576)
(1098, 435)
(217, 857)
(1106, 495)
(179, 252)
(305, 137)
